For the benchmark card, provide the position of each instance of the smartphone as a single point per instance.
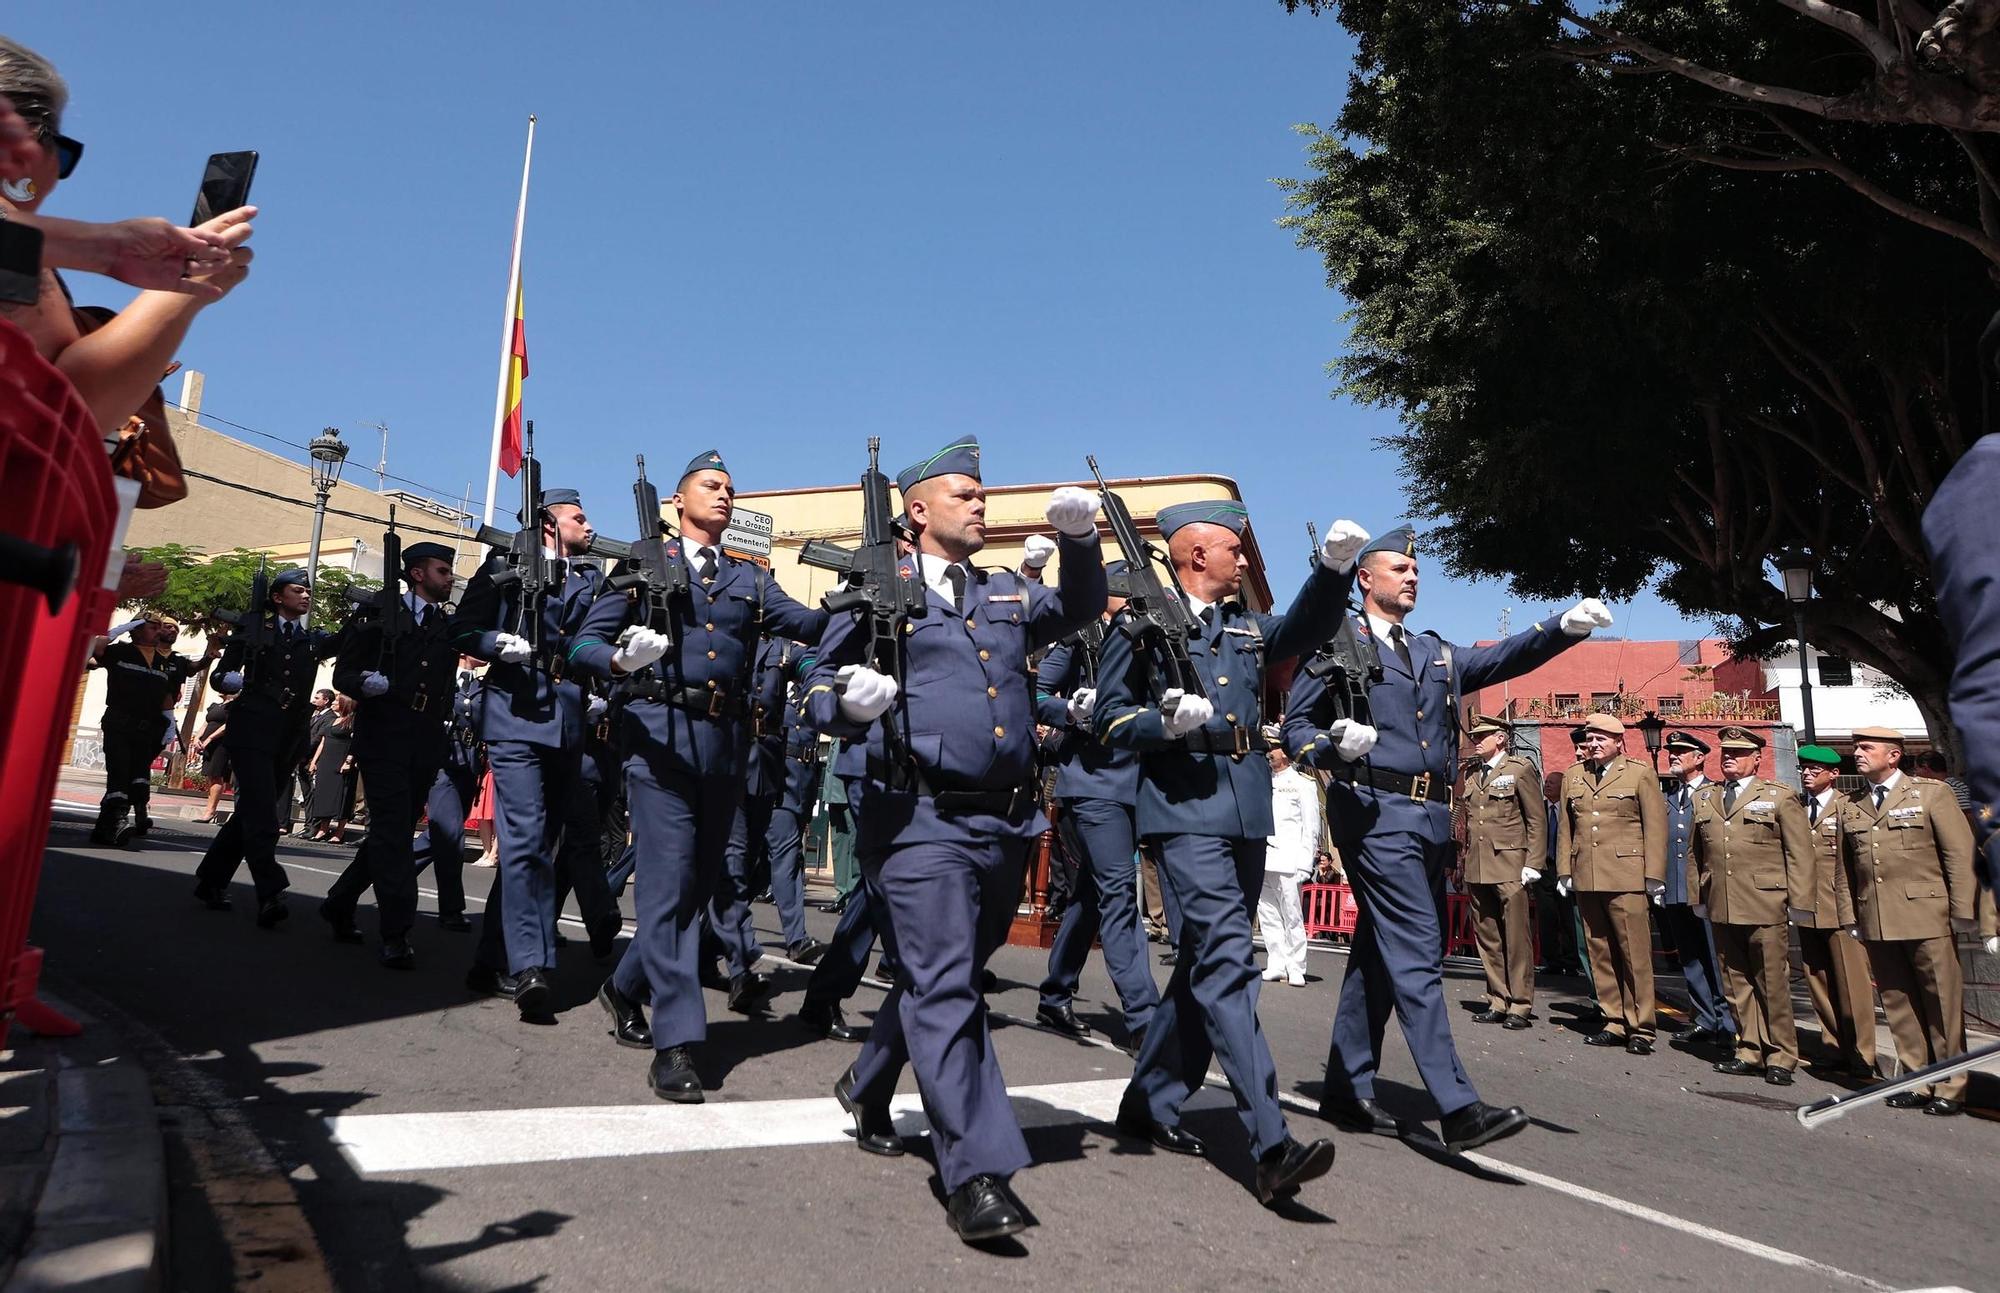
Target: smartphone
(225, 185)
(20, 263)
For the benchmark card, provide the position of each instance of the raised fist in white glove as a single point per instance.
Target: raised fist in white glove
(230, 683)
(1039, 548)
(510, 649)
(1082, 705)
(1343, 543)
(1529, 875)
(1565, 886)
(1586, 615)
(865, 695)
(1073, 511)
(1657, 891)
(1351, 740)
(374, 684)
(594, 710)
(1181, 713)
(639, 647)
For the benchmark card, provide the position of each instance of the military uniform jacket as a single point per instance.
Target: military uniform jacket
(270, 713)
(1506, 826)
(1611, 835)
(1086, 768)
(1958, 534)
(1754, 861)
(1188, 792)
(964, 706)
(1832, 906)
(1909, 867)
(412, 714)
(525, 702)
(1682, 888)
(138, 691)
(764, 768)
(462, 730)
(802, 762)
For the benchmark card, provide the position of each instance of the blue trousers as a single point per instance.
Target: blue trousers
(620, 873)
(531, 785)
(1396, 960)
(1210, 1005)
(386, 861)
(948, 906)
(729, 909)
(1106, 906)
(451, 795)
(580, 857)
(783, 832)
(680, 827)
(1691, 937)
(839, 971)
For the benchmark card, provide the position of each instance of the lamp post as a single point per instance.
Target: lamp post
(1651, 729)
(1796, 570)
(328, 452)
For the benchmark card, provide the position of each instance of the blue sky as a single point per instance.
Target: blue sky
(775, 229)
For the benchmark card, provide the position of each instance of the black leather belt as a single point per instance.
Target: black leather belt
(1236, 741)
(999, 803)
(1424, 786)
(699, 701)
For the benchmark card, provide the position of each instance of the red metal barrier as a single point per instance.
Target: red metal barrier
(55, 489)
(1330, 909)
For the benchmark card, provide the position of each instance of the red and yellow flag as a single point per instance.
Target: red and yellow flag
(517, 370)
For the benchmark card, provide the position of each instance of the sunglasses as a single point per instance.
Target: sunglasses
(68, 151)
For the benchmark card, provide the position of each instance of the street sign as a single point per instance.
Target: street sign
(749, 533)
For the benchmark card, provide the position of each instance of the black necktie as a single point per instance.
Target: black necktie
(707, 564)
(1881, 792)
(1812, 810)
(955, 575)
(1597, 773)
(1208, 617)
(1400, 641)
(1729, 797)
(291, 628)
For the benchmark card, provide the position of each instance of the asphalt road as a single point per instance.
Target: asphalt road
(532, 1157)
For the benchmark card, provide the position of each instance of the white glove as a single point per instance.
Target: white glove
(1343, 543)
(1529, 875)
(1565, 886)
(1854, 931)
(511, 649)
(1351, 740)
(1586, 615)
(865, 695)
(1657, 891)
(374, 684)
(1798, 917)
(595, 709)
(1039, 548)
(1073, 511)
(1993, 945)
(230, 683)
(1082, 705)
(121, 630)
(639, 647)
(1700, 909)
(1181, 713)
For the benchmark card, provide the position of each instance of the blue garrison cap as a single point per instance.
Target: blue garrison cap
(959, 458)
(1402, 541)
(555, 497)
(424, 552)
(1227, 513)
(707, 460)
(296, 575)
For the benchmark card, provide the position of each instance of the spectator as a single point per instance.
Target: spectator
(214, 754)
(1933, 766)
(333, 776)
(1289, 856)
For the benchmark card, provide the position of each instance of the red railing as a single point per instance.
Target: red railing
(1330, 910)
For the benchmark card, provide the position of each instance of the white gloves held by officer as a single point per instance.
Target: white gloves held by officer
(1037, 551)
(1657, 891)
(374, 684)
(639, 647)
(1073, 511)
(509, 649)
(1181, 713)
(1082, 705)
(1586, 615)
(1343, 543)
(1351, 740)
(1565, 886)
(1529, 875)
(865, 695)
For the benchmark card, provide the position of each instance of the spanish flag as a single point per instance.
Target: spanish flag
(517, 371)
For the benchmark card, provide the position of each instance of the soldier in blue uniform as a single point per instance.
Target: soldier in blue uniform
(942, 840)
(845, 960)
(1389, 803)
(682, 727)
(1097, 788)
(1205, 801)
(797, 777)
(399, 743)
(1965, 569)
(531, 715)
(580, 853)
(267, 724)
(451, 796)
(1688, 934)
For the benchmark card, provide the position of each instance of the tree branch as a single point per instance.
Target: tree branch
(1851, 25)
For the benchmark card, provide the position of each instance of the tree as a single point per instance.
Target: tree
(1618, 367)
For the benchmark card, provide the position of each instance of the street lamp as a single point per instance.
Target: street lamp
(1652, 728)
(328, 452)
(1795, 568)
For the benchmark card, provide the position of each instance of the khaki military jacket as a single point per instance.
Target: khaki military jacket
(1754, 860)
(1506, 823)
(1909, 867)
(1832, 907)
(1611, 835)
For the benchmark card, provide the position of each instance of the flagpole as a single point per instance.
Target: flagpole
(507, 328)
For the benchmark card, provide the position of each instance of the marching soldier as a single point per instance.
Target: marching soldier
(1752, 852)
(943, 839)
(1907, 850)
(143, 679)
(841, 967)
(1506, 833)
(1836, 965)
(451, 797)
(1689, 935)
(1611, 852)
(269, 663)
(797, 780)
(748, 855)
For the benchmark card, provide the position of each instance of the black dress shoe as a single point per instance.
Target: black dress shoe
(604, 939)
(672, 1076)
(1516, 1022)
(1170, 957)
(1940, 1107)
(748, 991)
(562, 939)
(1490, 1016)
(489, 982)
(1777, 1076)
(835, 907)
(1707, 1037)
(396, 954)
(1907, 1100)
(988, 982)
(1362, 1117)
(1737, 1068)
(1636, 1045)
(1479, 1124)
(1063, 1019)
(807, 951)
(270, 914)
(628, 1020)
(1284, 1169)
(1863, 1070)
(883, 976)
(874, 1129)
(1605, 1037)
(457, 923)
(213, 899)
(342, 923)
(828, 1022)
(1139, 1125)
(981, 1210)
(532, 992)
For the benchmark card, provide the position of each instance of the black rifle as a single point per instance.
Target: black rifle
(1346, 666)
(527, 569)
(821, 555)
(1155, 618)
(249, 626)
(389, 608)
(887, 599)
(659, 582)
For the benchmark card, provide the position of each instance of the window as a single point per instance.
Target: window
(1604, 702)
(1669, 706)
(1567, 702)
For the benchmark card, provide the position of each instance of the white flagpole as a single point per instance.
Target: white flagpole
(507, 330)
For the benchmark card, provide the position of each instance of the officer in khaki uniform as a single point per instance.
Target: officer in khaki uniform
(1836, 968)
(1506, 835)
(1611, 852)
(1907, 851)
(1752, 852)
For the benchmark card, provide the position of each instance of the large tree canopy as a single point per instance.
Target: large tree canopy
(1617, 365)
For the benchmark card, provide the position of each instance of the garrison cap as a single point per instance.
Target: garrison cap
(1824, 756)
(425, 552)
(1687, 741)
(296, 575)
(1739, 740)
(1577, 733)
(1225, 512)
(1606, 723)
(708, 460)
(557, 497)
(1402, 541)
(959, 458)
(1878, 734)
(1486, 723)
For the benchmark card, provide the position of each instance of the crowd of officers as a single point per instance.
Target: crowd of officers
(710, 712)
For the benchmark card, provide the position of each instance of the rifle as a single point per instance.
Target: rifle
(821, 555)
(395, 617)
(887, 598)
(647, 569)
(1312, 533)
(1347, 668)
(527, 563)
(1154, 615)
(248, 627)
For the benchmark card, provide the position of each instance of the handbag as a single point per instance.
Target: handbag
(143, 449)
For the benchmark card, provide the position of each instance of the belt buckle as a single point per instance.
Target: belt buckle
(1420, 787)
(716, 700)
(420, 702)
(1241, 737)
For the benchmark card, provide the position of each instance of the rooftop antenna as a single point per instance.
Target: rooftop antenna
(382, 460)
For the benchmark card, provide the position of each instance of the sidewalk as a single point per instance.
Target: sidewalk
(86, 786)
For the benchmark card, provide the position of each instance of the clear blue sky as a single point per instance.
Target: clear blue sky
(775, 229)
